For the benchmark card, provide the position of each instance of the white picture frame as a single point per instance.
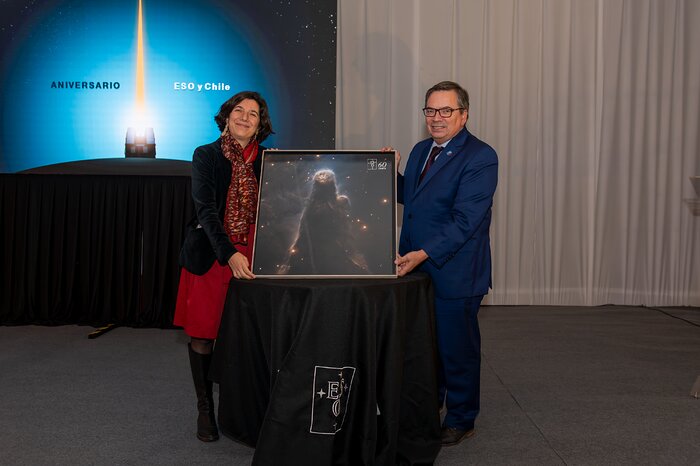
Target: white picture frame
(326, 214)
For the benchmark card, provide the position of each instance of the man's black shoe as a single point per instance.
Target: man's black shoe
(452, 436)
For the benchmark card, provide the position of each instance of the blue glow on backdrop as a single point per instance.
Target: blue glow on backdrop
(196, 55)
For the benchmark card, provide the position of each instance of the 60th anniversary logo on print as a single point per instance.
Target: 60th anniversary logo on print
(332, 386)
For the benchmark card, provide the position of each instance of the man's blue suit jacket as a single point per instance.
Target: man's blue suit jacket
(449, 213)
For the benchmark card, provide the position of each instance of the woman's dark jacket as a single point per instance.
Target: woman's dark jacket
(211, 176)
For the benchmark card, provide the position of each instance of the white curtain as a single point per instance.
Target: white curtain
(593, 107)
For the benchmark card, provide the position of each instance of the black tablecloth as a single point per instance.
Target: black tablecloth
(304, 367)
(91, 249)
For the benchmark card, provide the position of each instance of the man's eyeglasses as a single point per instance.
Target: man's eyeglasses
(445, 112)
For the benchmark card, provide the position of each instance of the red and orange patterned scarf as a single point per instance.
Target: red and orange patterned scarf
(242, 197)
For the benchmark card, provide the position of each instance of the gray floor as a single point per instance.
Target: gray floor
(574, 386)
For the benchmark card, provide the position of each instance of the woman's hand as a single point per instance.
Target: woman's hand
(240, 267)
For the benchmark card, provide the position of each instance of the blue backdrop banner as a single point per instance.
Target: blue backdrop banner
(75, 75)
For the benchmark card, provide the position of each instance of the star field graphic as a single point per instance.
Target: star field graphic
(326, 214)
(68, 74)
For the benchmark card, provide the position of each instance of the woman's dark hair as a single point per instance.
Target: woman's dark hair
(227, 107)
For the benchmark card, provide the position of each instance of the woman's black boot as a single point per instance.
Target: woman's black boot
(206, 422)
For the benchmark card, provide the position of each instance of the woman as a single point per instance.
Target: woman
(219, 241)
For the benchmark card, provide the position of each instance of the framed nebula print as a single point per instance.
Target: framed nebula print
(326, 214)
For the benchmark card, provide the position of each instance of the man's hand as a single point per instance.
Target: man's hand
(408, 262)
(398, 154)
(240, 267)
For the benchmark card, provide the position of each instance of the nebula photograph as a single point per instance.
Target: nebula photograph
(326, 214)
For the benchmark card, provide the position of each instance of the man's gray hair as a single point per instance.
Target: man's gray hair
(462, 95)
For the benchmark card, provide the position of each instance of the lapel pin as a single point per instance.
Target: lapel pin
(449, 153)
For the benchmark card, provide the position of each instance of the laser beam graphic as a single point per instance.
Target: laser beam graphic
(140, 81)
(140, 138)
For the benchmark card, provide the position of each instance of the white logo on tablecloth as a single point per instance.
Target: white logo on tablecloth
(332, 387)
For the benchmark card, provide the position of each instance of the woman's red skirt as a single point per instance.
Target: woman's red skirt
(201, 298)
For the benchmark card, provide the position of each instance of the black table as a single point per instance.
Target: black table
(86, 247)
(332, 371)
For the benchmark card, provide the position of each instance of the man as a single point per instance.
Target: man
(447, 191)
